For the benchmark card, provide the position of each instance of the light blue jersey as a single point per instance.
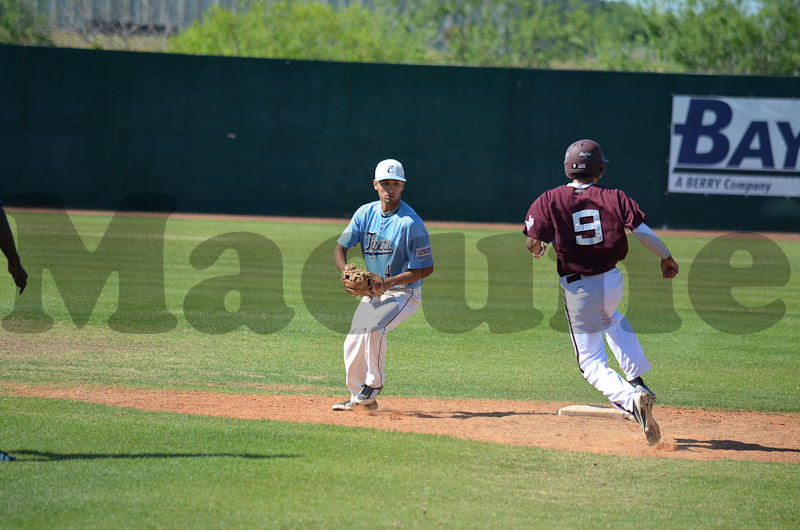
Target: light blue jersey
(390, 245)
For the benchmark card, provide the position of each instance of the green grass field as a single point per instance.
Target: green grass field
(721, 335)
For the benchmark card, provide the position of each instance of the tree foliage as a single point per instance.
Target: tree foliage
(20, 25)
(519, 33)
(752, 37)
(298, 30)
(725, 36)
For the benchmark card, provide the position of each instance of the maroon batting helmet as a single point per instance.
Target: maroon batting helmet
(585, 156)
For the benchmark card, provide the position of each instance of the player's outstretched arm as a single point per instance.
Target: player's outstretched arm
(650, 241)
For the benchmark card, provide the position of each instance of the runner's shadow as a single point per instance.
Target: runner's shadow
(39, 456)
(731, 445)
(464, 415)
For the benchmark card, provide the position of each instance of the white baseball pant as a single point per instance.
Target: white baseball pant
(365, 345)
(591, 306)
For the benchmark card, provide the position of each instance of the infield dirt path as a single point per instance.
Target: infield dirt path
(686, 433)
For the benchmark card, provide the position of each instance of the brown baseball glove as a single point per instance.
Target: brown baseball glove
(359, 282)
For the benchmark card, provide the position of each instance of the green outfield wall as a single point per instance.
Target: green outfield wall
(296, 138)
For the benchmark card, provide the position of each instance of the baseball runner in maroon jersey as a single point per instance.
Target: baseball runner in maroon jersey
(16, 271)
(586, 224)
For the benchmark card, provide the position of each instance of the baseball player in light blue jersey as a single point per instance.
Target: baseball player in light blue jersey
(395, 245)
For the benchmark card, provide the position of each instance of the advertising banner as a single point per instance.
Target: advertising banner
(735, 146)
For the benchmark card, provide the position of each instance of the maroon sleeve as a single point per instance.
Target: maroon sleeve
(632, 215)
(537, 223)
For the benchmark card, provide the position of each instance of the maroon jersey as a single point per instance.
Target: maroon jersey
(587, 226)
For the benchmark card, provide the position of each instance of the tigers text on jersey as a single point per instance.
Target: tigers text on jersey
(390, 244)
(587, 225)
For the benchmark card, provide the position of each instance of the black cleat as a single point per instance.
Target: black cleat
(367, 395)
(639, 386)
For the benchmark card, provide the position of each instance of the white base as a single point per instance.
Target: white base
(596, 411)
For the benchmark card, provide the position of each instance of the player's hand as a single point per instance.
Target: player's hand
(669, 268)
(357, 293)
(531, 243)
(18, 273)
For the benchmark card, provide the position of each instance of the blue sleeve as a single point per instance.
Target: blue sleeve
(419, 247)
(352, 234)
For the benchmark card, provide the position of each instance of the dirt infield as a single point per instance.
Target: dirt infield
(686, 433)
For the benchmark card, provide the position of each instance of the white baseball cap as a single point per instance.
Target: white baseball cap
(390, 169)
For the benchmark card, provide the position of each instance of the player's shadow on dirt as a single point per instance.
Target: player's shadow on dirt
(731, 445)
(39, 456)
(464, 415)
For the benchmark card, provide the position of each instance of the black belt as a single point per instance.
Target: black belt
(573, 278)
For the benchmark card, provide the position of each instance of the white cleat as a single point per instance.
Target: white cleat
(352, 405)
(643, 410)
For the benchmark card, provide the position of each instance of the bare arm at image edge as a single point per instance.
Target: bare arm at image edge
(10, 250)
